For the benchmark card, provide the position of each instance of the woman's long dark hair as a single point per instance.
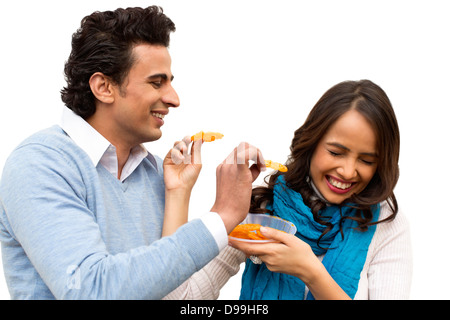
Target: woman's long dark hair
(372, 102)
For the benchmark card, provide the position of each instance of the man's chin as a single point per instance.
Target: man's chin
(155, 135)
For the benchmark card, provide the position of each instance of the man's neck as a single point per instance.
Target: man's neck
(122, 157)
(123, 148)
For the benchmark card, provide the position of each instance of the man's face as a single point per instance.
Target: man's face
(145, 96)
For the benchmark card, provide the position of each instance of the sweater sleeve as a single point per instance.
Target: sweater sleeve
(44, 202)
(390, 270)
(206, 283)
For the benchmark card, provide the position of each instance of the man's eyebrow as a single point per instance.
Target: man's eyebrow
(160, 75)
(338, 145)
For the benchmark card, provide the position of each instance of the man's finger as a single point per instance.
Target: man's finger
(244, 153)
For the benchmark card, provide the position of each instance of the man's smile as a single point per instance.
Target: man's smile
(158, 115)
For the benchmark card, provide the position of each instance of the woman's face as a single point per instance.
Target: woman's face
(345, 159)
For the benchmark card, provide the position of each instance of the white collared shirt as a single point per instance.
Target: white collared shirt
(98, 148)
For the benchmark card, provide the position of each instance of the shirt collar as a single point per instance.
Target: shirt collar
(94, 144)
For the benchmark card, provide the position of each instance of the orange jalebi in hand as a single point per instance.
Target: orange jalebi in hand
(248, 231)
(276, 166)
(207, 136)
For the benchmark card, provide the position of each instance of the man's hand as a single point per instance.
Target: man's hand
(234, 184)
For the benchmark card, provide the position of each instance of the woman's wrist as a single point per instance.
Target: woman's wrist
(179, 194)
(313, 274)
(176, 210)
(322, 285)
(310, 272)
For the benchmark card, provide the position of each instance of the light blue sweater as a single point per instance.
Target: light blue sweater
(70, 230)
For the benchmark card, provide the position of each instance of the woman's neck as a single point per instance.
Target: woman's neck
(317, 192)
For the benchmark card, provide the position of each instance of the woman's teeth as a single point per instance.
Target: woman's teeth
(338, 184)
(158, 115)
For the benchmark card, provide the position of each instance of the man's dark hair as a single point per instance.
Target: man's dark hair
(104, 43)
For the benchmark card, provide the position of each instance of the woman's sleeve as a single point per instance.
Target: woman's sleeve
(390, 271)
(207, 282)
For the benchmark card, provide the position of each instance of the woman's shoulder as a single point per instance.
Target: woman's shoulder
(386, 211)
(391, 228)
(389, 258)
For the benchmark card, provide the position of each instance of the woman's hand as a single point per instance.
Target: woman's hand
(288, 255)
(293, 256)
(182, 168)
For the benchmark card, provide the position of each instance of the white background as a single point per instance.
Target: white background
(253, 70)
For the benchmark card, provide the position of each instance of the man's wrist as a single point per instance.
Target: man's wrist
(215, 225)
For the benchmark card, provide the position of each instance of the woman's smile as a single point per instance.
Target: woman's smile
(338, 185)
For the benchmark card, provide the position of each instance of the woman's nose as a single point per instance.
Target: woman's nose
(347, 170)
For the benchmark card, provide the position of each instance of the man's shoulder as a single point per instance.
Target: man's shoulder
(49, 136)
(47, 144)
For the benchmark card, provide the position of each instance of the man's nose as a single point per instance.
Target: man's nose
(170, 97)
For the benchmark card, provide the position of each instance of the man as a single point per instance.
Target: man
(82, 203)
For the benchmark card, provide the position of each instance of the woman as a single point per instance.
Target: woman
(352, 242)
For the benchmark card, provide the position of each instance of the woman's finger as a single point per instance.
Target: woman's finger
(176, 156)
(252, 249)
(275, 234)
(196, 152)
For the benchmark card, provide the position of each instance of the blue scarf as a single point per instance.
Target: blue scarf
(344, 259)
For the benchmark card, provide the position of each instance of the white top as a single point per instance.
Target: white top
(98, 148)
(387, 273)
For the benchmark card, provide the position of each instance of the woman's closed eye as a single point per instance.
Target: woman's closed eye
(334, 153)
(368, 162)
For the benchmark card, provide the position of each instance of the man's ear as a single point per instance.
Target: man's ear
(102, 87)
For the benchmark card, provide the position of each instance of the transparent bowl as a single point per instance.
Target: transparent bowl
(266, 220)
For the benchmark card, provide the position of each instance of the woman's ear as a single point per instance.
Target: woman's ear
(102, 87)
